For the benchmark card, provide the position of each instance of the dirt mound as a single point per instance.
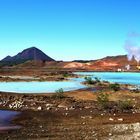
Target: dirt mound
(74, 65)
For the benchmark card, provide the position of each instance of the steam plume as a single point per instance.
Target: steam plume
(133, 50)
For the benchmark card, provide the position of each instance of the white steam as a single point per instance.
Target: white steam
(133, 50)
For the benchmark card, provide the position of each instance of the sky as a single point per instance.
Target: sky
(68, 29)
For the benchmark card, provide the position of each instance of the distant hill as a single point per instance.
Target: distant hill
(32, 53)
(35, 58)
(109, 63)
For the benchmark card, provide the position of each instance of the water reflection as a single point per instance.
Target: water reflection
(5, 120)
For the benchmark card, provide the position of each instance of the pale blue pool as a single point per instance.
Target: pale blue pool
(115, 77)
(74, 84)
(39, 87)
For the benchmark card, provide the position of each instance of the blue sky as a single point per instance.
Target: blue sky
(68, 29)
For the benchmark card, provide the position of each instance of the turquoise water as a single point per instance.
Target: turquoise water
(74, 84)
(118, 77)
(39, 87)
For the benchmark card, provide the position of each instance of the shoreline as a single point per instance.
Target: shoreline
(52, 118)
(47, 116)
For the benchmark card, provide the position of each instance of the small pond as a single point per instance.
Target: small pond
(5, 120)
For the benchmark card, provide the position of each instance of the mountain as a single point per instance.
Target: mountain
(109, 63)
(32, 53)
(35, 58)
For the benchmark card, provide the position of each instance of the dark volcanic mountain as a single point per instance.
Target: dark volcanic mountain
(32, 53)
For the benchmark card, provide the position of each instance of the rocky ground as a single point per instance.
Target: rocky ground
(17, 76)
(74, 125)
(74, 115)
